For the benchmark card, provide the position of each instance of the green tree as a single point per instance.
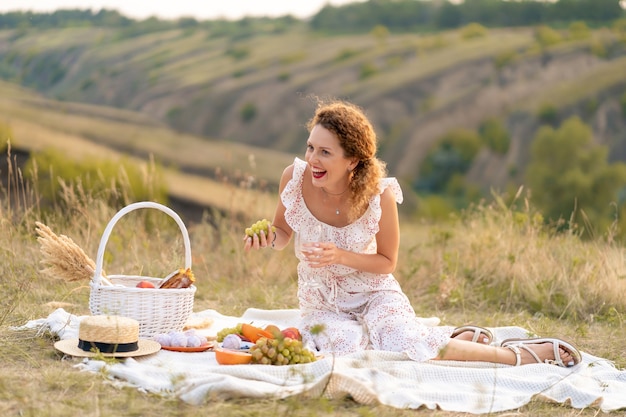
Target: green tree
(453, 154)
(449, 16)
(495, 135)
(589, 10)
(569, 174)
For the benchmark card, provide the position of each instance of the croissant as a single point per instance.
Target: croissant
(181, 278)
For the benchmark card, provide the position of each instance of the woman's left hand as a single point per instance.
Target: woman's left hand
(321, 254)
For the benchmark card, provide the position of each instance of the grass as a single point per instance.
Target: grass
(495, 265)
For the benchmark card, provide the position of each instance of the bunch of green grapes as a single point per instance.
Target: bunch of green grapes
(256, 228)
(280, 351)
(229, 330)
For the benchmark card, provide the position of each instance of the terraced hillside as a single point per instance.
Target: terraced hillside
(257, 90)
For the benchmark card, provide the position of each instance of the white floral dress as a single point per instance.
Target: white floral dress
(358, 310)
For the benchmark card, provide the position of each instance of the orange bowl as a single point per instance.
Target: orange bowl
(231, 357)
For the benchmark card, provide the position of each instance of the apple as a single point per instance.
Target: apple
(145, 284)
(273, 329)
(292, 333)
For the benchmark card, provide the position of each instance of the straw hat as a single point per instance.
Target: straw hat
(110, 336)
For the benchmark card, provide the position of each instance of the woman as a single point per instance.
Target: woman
(345, 280)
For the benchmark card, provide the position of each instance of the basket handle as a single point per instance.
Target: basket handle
(131, 207)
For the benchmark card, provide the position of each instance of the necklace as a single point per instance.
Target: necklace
(324, 189)
(337, 212)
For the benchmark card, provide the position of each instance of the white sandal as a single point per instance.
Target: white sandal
(477, 332)
(516, 344)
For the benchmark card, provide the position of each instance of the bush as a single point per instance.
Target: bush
(434, 208)
(579, 30)
(283, 76)
(474, 30)
(238, 52)
(495, 136)
(620, 26)
(546, 36)
(367, 70)
(248, 112)
(548, 114)
(116, 182)
(598, 49)
(453, 154)
(380, 33)
(292, 58)
(502, 59)
(345, 54)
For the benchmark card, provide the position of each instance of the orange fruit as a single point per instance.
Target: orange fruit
(145, 284)
(231, 357)
(253, 333)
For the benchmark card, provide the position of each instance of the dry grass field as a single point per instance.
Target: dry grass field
(495, 265)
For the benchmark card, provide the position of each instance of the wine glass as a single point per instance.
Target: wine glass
(304, 245)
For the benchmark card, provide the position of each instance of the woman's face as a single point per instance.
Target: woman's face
(325, 156)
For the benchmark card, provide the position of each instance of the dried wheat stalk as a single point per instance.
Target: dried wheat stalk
(64, 258)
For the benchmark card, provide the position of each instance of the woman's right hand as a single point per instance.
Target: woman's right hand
(256, 241)
(256, 236)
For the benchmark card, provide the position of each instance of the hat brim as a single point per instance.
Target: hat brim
(70, 347)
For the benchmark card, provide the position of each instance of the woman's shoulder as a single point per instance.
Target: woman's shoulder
(390, 186)
(290, 181)
(297, 167)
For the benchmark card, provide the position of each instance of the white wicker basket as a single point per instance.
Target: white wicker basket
(157, 310)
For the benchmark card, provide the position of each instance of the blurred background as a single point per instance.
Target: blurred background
(190, 104)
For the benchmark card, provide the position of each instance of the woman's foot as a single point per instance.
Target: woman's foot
(473, 334)
(543, 350)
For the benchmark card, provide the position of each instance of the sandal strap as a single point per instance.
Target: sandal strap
(557, 355)
(518, 354)
(557, 344)
(533, 354)
(477, 332)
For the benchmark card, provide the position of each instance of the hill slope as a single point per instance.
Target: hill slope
(255, 91)
(82, 130)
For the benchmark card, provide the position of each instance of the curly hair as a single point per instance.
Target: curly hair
(358, 140)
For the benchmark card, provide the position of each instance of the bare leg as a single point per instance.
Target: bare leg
(461, 350)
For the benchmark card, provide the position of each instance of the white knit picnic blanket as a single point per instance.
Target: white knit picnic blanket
(369, 377)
